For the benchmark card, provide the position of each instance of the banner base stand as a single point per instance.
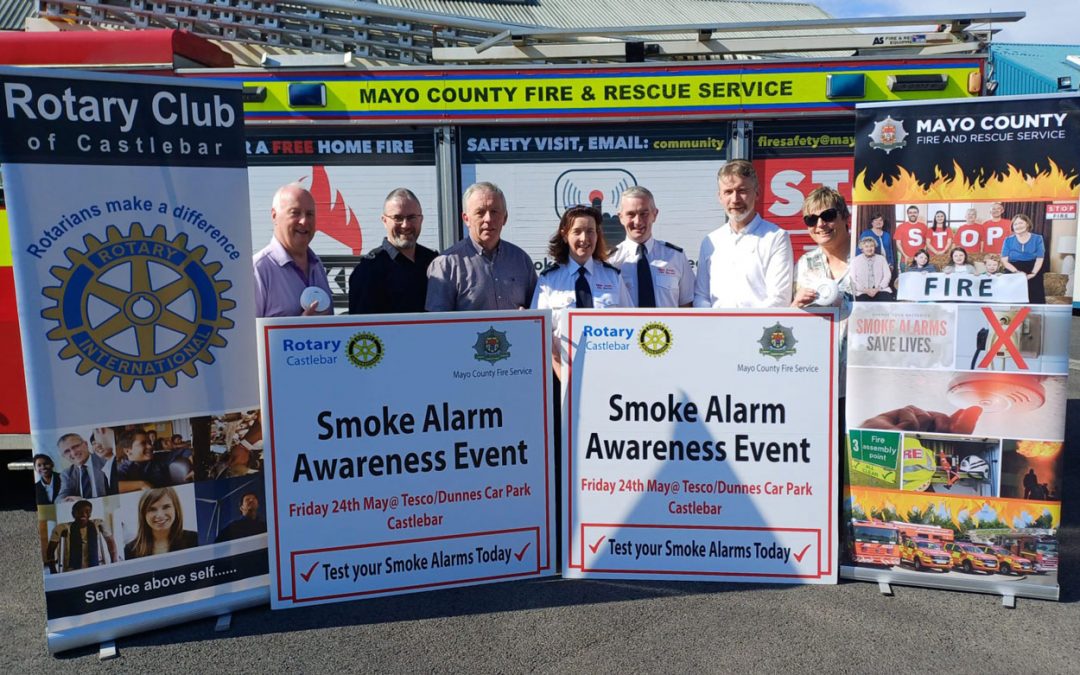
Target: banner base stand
(1009, 589)
(107, 650)
(884, 587)
(224, 623)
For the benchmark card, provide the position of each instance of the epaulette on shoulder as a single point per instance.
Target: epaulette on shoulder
(611, 267)
(551, 267)
(673, 246)
(373, 253)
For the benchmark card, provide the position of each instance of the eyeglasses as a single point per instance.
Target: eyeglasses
(412, 218)
(828, 215)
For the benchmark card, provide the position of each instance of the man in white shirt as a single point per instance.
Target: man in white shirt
(656, 273)
(748, 261)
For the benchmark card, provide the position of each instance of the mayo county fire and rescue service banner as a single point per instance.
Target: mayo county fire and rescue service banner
(129, 225)
(957, 390)
(407, 453)
(700, 445)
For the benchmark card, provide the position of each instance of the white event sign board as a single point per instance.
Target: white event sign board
(406, 453)
(701, 445)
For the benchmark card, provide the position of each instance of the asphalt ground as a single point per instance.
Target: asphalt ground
(589, 626)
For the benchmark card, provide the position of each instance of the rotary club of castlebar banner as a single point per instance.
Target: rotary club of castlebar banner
(134, 286)
(956, 393)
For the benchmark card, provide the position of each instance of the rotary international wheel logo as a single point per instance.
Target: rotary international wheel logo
(655, 339)
(364, 350)
(138, 308)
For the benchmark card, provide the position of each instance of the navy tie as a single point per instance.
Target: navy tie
(85, 486)
(646, 293)
(582, 292)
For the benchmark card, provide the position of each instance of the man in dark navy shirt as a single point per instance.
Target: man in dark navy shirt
(392, 278)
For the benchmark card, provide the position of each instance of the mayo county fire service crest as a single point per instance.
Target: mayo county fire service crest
(777, 341)
(491, 346)
(888, 135)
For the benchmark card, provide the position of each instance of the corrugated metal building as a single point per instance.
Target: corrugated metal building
(1034, 69)
(595, 13)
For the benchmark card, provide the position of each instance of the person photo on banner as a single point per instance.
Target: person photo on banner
(85, 477)
(881, 236)
(1024, 251)
(821, 276)
(939, 237)
(869, 272)
(287, 266)
(47, 485)
(248, 524)
(83, 543)
(920, 262)
(579, 277)
(992, 264)
(160, 526)
(970, 233)
(912, 234)
(748, 261)
(995, 229)
(959, 262)
(143, 468)
(244, 456)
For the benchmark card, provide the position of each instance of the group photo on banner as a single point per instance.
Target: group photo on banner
(886, 404)
(958, 344)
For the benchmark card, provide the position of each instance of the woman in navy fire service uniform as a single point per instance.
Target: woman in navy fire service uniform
(579, 277)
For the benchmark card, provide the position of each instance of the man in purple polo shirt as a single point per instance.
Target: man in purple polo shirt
(287, 265)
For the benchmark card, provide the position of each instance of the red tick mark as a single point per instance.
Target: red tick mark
(521, 555)
(800, 554)
(307, 577)
(596, 547)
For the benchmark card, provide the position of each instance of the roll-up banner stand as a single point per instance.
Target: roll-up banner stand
(700, 445)
(407, 453)
(956, 393)
(127, 199)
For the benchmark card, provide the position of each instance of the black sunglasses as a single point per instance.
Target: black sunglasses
(828, 215)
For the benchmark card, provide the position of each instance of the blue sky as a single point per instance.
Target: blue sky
(1046, 22)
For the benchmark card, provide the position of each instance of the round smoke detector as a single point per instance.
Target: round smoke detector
(997, 392)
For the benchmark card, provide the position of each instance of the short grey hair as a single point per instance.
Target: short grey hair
(482, 186)
(637, 192)
(288, 187)
(401, 194)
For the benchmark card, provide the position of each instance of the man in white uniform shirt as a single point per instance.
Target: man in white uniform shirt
(748, 261)
(656, 273)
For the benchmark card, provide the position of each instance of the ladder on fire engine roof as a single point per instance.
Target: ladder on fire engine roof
(372, 32)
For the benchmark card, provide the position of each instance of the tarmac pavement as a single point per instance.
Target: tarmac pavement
(593, 626)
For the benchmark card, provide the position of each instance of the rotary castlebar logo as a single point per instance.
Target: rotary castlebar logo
(364, 350)
(655, 339)
(138, 307)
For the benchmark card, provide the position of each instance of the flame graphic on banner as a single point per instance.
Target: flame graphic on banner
(1038, 448)
(335, 218)
(1012, 185)
(963, 511)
